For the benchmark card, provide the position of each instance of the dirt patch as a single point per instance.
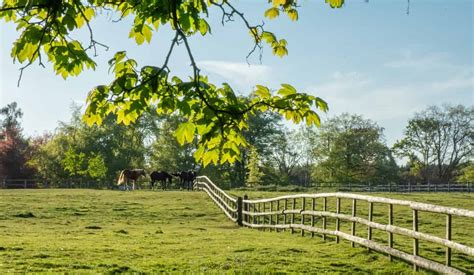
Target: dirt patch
(93, 227)
(25, 215)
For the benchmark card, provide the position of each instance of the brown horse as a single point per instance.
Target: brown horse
(132, 175)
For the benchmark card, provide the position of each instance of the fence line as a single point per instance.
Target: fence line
(340, 187)
(281, 213)
(351, 187)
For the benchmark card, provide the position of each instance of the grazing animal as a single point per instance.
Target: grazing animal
(186, 179)
(132, 175)
(161, 176)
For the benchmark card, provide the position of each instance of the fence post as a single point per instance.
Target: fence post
(313, 207)
(271, 216)
(390, 234)
(338, 210)
(415, 240)
(254, 219)
(302, 215)
(26, 184)
(369, 228)
(278, 216)
(448, 237)
(353, 227)
(324, 217)
(239, 211)
(293, 217)
(247, 209)
(264, 217)
(284, 215)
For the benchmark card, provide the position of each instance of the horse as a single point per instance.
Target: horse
(133, 175)
(161, 176)
(186, 178)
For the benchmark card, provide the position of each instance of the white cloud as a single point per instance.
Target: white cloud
(410, 60)
(241, 74)
(455, 83)
(392, 95)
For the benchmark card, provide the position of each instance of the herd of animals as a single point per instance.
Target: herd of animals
(186, 178)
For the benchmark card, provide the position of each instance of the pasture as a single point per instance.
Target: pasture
(107, 231)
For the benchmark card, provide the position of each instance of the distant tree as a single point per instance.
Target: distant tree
(86, 153)
(349, 148)
(10, 116)
(166, 153)
(262, 134)
(14, 148)
(466, 174)
(303, 146)
(47, 157)
(75, 163)
(439, 140)
(254, 175)
(285, 156)
(96, 168)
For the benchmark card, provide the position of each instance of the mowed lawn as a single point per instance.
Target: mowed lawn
(143, 231)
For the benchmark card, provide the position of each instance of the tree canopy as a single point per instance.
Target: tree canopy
(214, 113)
(439, 138)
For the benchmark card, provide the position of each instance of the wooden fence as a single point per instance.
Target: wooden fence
(357, 187)
(299, 212)
(41, 183)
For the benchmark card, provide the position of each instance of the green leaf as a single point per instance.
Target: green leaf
(335, 3)
(277, 3)
(119, 56)
(185, 21)
(147, 32)
(272, 13)
(263, 92)
(293, 14)
(185, 132)
(89, 13)
(287, 90)
(203, 27)
(280, 51)
(268, 37)
(69, 22)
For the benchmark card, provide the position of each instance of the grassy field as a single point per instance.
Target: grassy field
(143, 231)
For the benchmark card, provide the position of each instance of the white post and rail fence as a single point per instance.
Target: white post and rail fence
(298, 212)
(340, 187)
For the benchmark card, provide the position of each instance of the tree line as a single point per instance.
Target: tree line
(437, 147)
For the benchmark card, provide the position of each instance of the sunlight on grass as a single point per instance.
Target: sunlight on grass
(143, 231)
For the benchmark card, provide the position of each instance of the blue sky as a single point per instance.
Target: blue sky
(366, 58)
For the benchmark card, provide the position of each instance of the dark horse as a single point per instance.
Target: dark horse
(186, 178)
(132, 175)
(161, 176)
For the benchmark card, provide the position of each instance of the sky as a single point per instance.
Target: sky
(368, 58)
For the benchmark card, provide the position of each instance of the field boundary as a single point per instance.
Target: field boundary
(298, 212)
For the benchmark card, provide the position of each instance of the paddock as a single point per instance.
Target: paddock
(101, 230)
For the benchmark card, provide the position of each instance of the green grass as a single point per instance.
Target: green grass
(143, 231)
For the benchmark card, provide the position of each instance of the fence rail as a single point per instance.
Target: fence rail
(299, 212)
(41, 183)
(351, 187)
(339, 187)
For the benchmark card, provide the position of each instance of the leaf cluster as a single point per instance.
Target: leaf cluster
(215, 116)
